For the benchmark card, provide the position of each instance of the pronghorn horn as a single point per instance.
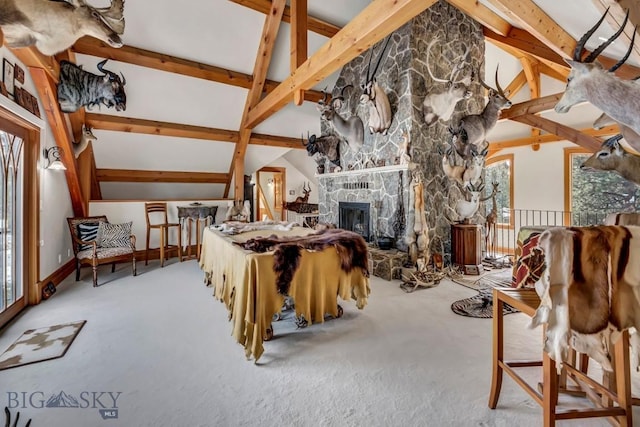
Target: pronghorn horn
(578, 50)
(593, 55)
(626, 55)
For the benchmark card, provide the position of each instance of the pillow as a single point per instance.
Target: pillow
(114, 235)
(87, 232)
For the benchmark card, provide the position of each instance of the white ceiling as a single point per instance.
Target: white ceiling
(225, 34)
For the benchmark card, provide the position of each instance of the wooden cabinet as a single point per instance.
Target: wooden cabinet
(466, 247)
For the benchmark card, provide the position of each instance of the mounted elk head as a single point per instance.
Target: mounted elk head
(327, 145)
(374, 97)
(613, 157)
(441, 102)
(53, 26)
(78, 88)
(588, 81)
(351, 129)
(473, 129)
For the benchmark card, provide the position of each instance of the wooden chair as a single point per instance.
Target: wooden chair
(160, 208)
(611, 399)
(96, 255)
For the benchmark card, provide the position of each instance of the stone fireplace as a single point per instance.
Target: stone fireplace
(374, 175)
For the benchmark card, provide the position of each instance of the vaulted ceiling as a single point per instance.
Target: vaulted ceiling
(218, 89)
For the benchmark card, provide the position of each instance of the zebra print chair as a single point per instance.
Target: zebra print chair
(87, 252)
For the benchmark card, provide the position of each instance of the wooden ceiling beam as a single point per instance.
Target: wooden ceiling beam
(553, 70)
(549, 137)
(375, 22)
(483, 15)
(47, 93)
(530, 68)
(565, 132)
(32, 58)
(260, 68)
(152, 127)
(172, 64)
(617, 11)
(299, 44)
(128, 175)
(533, 106)
(316, 25)
(516, 84)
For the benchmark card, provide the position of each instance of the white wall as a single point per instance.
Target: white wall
(118, 212)
(55, 202)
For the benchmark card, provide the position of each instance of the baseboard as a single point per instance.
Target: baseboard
(58, 276)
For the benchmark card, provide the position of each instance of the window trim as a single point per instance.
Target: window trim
(568, 181)
(502, 158)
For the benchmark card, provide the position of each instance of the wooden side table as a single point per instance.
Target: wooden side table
(466, 247)
(195, 213)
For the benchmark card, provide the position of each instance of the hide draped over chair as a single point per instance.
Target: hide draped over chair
(88, 251)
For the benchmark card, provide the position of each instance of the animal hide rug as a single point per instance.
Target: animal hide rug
(351, 248)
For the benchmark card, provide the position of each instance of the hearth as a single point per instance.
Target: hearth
(354, 216)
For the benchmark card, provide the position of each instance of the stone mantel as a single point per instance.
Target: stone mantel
(381, 169)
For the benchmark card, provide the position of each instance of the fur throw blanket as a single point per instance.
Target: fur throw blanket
(351, 247)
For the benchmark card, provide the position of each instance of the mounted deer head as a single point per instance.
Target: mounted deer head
(613, 157)
(376, 99)
(441, 102)
(588, 81)
(351, 129)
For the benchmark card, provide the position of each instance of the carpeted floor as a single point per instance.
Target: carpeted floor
(160, 346)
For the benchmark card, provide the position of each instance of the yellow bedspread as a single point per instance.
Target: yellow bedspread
(246, 283)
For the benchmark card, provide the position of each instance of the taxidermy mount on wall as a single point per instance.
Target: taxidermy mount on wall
(376, 99)
(78, 88)
(351, 129)
(466, 209)
(85, 139)
(53, 26)
(441, 102)
(326, 145)
(471, 131)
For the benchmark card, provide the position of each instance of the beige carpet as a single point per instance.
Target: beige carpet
(37, 345)
(163, 343)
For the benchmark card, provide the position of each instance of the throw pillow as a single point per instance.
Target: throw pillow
(87, 232)
(114, 235)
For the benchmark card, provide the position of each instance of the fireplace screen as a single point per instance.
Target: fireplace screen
(355, 217)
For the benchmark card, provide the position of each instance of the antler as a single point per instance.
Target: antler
(460, 63)
(434, 78)
(341, 97)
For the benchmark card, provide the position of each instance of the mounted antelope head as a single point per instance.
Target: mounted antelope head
(613, 157)
(53, 26)
(467, 209)
(85, 139)
(588, 81)
(305, 198)
(374, 97)
(473, 129)
(441, 102)
(351, 129)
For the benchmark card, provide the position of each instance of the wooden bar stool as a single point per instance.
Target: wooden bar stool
(602, 397)
(155, 209)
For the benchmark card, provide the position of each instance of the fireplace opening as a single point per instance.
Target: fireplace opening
(354, 216)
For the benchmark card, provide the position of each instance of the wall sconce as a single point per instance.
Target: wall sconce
(52, 156)
(270, 182)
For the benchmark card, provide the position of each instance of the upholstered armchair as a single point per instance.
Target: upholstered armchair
(96, 242)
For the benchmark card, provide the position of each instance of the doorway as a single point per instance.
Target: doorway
(271, 183)
(19, 257)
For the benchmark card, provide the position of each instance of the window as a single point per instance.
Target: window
(499, 170)
(591, 195)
